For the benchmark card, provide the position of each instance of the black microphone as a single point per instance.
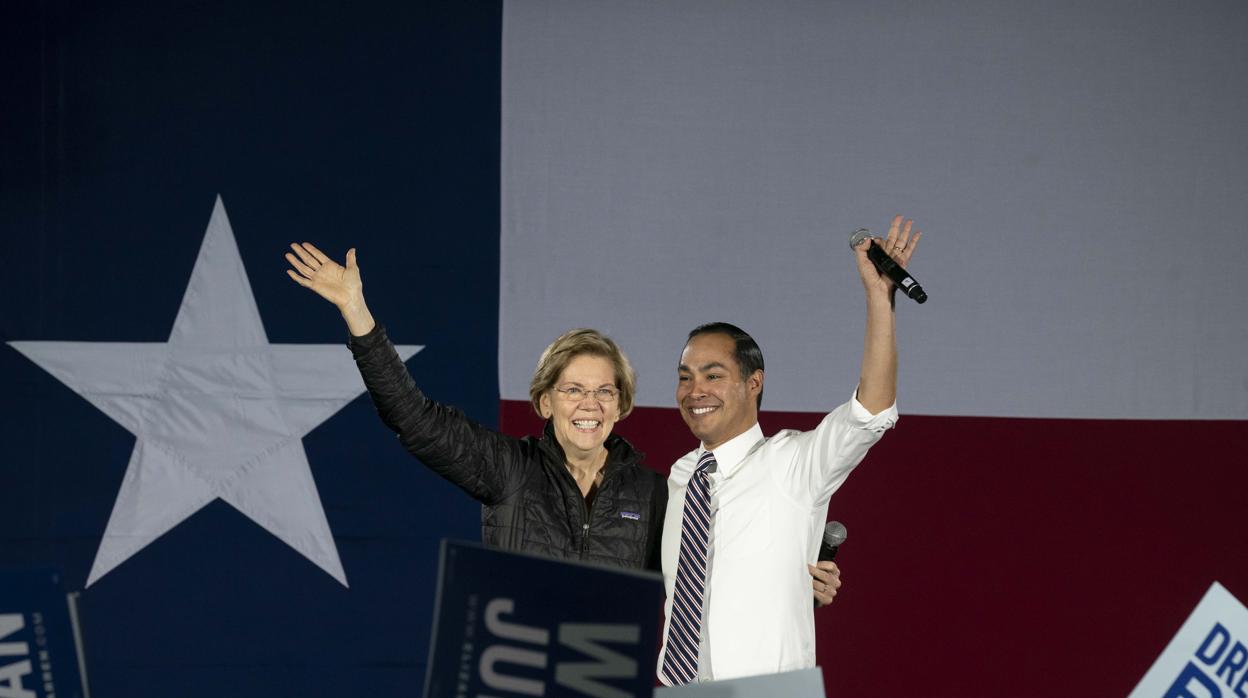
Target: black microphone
(833, 537)
(886, 266)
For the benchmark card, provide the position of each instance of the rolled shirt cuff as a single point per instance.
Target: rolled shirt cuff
(862, 418)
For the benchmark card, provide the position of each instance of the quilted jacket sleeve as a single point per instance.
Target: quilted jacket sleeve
(485, 464)
(658, 510)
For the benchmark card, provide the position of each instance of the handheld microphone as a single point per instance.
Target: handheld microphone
(886, 266)
(833, 537)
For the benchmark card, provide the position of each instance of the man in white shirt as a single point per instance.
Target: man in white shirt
(745, 513)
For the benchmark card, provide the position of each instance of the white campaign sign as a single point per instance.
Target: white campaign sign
(803, 683)
(1208, 657)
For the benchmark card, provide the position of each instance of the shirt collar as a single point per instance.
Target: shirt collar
(731, 453)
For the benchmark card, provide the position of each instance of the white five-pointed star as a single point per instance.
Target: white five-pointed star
(217, 412)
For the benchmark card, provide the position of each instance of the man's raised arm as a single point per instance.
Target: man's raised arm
(877, 386)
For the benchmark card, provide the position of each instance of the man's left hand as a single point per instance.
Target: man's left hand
(900, 244)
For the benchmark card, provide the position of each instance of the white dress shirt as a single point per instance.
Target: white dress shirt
(770, 503)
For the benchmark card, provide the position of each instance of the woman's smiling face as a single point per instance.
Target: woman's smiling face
(582, 425)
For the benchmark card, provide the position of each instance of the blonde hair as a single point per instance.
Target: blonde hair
(572, 344)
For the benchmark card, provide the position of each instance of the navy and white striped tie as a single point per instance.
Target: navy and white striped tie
(684, 631)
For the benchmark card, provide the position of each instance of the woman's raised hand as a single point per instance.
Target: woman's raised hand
(335, 283)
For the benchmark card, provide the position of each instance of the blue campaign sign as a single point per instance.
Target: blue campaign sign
(513, 624)
(39, 648)
(1208, 657)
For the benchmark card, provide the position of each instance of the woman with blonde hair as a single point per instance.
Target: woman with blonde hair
(575, 492)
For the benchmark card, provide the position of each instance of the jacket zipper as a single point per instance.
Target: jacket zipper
(588, 509)
(585, 526)
(585, 508)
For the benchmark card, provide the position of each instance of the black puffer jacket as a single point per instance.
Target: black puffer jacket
(529, 500)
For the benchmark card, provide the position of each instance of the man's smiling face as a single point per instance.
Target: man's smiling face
(715, 400)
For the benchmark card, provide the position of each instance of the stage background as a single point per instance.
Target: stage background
(1067, 477)
(327, 122)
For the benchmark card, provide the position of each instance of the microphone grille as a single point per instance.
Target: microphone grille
(834, 533)
(858, 236)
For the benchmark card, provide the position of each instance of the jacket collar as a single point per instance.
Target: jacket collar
(619, 451)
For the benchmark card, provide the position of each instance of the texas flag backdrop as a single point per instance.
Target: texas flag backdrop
(186, 440)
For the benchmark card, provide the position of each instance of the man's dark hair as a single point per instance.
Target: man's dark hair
(749, 357)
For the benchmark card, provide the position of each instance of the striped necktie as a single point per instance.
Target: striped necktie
(684, 631)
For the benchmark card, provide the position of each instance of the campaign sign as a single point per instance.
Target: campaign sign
(1208, 658)
(510, 624)
(802, 683)
(39, 647)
